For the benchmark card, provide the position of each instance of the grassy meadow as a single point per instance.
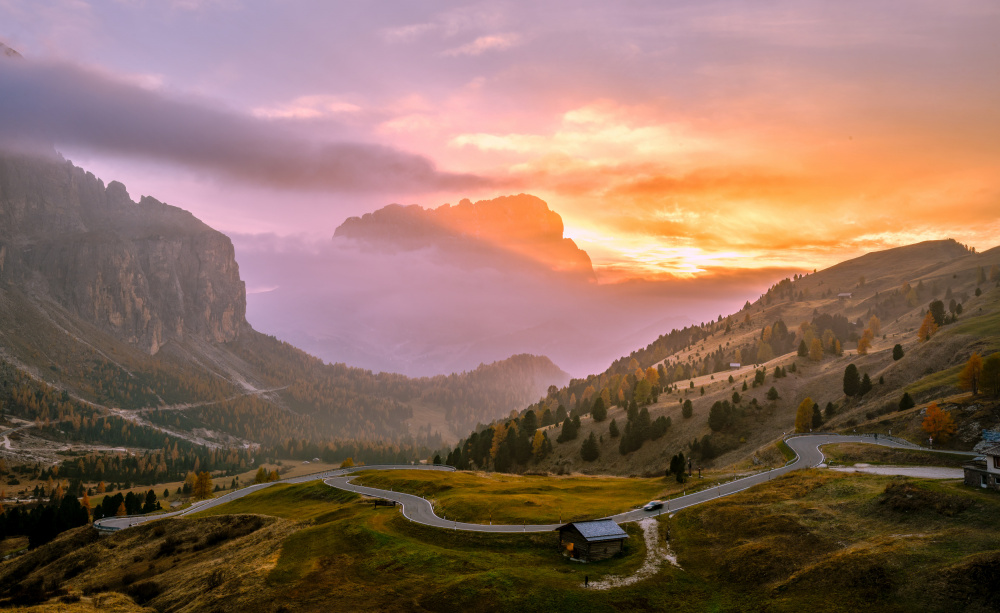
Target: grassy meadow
(534, 499)
(812, 540)
(823, 541)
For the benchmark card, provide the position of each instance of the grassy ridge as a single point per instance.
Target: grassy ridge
(511, 499)
(302, 502)
(851, 453)
(820, 541)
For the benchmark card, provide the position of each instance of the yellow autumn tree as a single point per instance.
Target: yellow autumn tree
(348, 463)
(816, 350)
(875, 325)
(538, 445)
(927, 328)
(971, 374)
(121, 512)
(765, 353)
(203, 486)
(653, 376)
(938, 424)
(189, 482)
(865, 343)
(803, 415)
(499, 435)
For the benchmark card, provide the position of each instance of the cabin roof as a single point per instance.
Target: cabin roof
(597, 530)
(992, 450)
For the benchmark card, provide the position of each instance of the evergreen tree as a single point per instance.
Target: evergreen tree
(906, 402)
(866, 385)
(589, 451)
(852, 380)
(897, 352)
(529, 422)
(599, 412)
(803, 350)
(659, 427)
(817, 417)
(613, 429)
(677, 467)
(568, 432)
(150, 504)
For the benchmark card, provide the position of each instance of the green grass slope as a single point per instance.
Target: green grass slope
(814, 540)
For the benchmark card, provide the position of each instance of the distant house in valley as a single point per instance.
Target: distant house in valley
(592, 540)
(984, 470)
(845, 295)
(734, 365)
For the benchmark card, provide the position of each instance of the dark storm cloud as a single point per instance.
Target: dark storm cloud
(62, 104)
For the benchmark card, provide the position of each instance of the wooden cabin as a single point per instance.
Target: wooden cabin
(984, 471)
(592, 540)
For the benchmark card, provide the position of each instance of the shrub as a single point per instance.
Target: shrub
(144, 591)
(906, 402)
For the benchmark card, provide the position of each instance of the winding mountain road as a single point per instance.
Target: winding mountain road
(420, 510)
(117, 523)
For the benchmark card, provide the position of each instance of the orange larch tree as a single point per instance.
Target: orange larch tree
(971, 374)
(865, 342)
(927, 328)
(938, 424)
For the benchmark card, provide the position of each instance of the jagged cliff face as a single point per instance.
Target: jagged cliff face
(146, 272)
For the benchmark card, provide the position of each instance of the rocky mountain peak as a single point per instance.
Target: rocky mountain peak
(521, 225)
(145, 272)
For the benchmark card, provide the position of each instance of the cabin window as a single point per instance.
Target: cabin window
(982, 480)
(996, 461)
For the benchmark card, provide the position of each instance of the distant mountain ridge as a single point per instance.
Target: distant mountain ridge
(134, 312)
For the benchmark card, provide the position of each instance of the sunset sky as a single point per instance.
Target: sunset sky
(674, 138)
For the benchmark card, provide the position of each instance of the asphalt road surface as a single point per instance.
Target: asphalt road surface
(117, 523)
(417, 509)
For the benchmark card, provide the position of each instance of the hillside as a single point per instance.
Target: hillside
(122, 324)
(818, 540)
(831, 309)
